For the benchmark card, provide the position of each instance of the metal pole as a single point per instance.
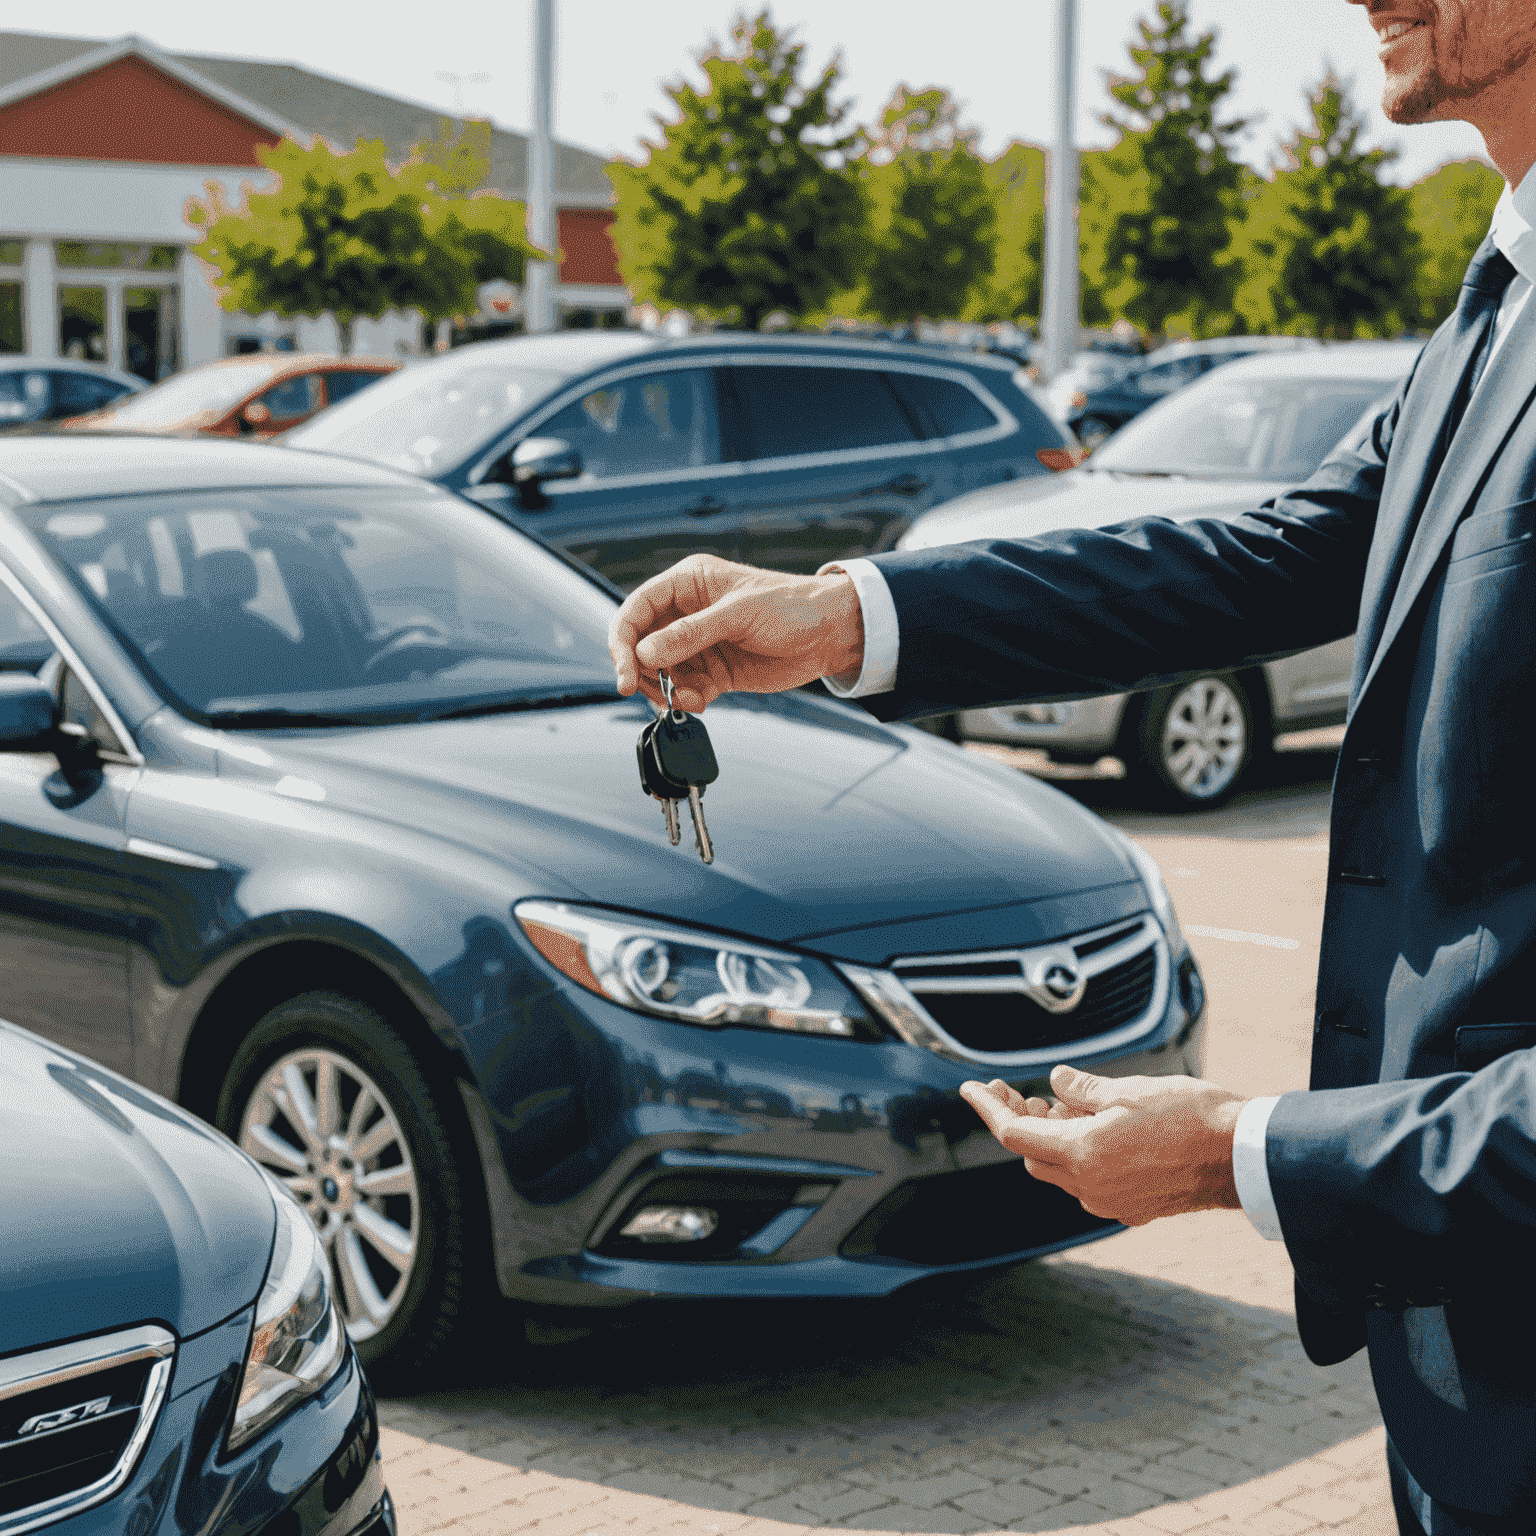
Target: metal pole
(1059, 306)
(539, 284)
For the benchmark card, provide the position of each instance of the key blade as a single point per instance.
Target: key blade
(700, 831)
(674, 832)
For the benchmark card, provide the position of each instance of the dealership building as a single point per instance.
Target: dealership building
(103, 144)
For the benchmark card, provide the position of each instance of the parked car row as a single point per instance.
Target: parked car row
(55, 388)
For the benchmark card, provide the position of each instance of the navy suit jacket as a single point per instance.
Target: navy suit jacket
(1407, 1194)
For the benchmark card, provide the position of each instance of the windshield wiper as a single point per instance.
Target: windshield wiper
(557, 697)
(277, 718)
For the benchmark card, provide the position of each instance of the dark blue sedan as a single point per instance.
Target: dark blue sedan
(319, 813)
(634, 451)
(171, 1359)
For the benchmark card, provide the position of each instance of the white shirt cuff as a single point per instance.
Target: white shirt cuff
(882, 632)
(1250, 1168)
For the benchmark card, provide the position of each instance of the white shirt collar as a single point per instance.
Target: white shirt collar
(1514, 226)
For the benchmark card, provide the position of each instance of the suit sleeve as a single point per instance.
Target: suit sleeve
(1409, 1194)
(1085, 612)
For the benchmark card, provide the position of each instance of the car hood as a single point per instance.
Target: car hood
(823, 820)
(119, 1207)
(1082, 498)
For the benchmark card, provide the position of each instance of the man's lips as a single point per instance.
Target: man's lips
(1392, 29)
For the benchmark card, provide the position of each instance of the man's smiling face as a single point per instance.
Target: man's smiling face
(1440, 55)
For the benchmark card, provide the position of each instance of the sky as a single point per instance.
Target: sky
(613, 56)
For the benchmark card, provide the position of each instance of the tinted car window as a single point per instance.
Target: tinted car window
(341, 382)
(794, 410)
(23, 396)
(1262, 429)
(325, 604)
(23, 645)
(945, 407)
(297, 396)
(76, 393)
(642, 426)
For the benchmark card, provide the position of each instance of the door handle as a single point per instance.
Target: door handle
(902, 485)
(705, 506)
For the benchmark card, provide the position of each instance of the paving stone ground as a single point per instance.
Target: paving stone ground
(1147, 1385)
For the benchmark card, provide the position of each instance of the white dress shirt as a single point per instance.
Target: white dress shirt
(1514, 233)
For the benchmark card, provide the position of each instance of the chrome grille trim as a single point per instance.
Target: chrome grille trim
(898, 1000)
(60, 1363)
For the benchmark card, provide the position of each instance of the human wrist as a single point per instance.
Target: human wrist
(1219, 1170)
(842, 621)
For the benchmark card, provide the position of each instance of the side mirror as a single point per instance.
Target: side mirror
(538, 459)
(29, 714)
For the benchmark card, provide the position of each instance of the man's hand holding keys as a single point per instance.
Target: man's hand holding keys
(718, 627)
(1129, 1148)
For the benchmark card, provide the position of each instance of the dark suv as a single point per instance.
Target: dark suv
(633, 451)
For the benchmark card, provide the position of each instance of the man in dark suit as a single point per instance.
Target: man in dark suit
(1404, 1182)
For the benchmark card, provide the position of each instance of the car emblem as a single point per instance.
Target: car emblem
(1056, 981)
(41, 1423)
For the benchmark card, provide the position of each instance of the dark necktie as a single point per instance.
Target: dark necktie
(1482, 291)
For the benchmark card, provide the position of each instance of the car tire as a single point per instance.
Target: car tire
(1190, 746)
(409, 1262)
(1094, 431)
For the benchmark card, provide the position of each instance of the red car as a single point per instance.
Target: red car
(256, 395)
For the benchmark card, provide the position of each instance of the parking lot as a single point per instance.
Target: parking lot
(1148, 1383)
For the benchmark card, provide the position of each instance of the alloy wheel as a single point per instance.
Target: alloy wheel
(323, 1126)
(1204, 738)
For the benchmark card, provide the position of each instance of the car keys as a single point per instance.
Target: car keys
(678, 758)
(652, 782)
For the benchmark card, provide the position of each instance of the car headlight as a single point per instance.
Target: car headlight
(691, 976)
(1157, 891)
(298, 1342)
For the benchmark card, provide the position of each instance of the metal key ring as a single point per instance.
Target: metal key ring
(667, 690)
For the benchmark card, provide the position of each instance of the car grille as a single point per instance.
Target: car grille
(74, 1419)
(978, 1213)
(993, 1007)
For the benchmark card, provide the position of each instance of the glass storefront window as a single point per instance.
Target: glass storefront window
(11, 252)
(83, 323)
(149, 321)
(106, 253)
(11, 337)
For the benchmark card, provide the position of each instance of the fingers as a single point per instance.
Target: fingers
(1082, 1091)
(636, 617)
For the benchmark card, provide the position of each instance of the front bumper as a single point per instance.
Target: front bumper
(316, 1472)
(849, 1168)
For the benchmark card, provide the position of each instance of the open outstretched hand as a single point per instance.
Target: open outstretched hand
(718, 627)
(1130, 1148)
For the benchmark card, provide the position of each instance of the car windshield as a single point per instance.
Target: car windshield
(264, 608)
(189, 394)
(430, 416)
(1247, 429)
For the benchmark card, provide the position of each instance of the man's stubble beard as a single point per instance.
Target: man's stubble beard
(1423, 98)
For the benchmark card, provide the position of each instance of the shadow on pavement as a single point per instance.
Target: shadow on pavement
(1036, 1386)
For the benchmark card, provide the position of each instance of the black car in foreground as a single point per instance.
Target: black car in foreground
(170, 1356)
(633, 451)
(340, 843)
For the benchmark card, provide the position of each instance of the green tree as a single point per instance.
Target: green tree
(1016, 180)
(1176, 182)
(352, 236)
(748, 205)
(1351, 260)
(1452, 208)
(938, 239)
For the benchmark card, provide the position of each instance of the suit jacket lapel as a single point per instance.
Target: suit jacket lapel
(1503, 396)
(1412, 463)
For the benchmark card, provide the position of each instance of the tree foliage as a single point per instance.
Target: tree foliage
(1350, 259)
(1452, 209)
(748, 205)
(937, 238)
(1174, 183)
(1016, 181)
(353, 236)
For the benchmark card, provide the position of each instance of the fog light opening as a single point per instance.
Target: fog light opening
(671, 1224)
